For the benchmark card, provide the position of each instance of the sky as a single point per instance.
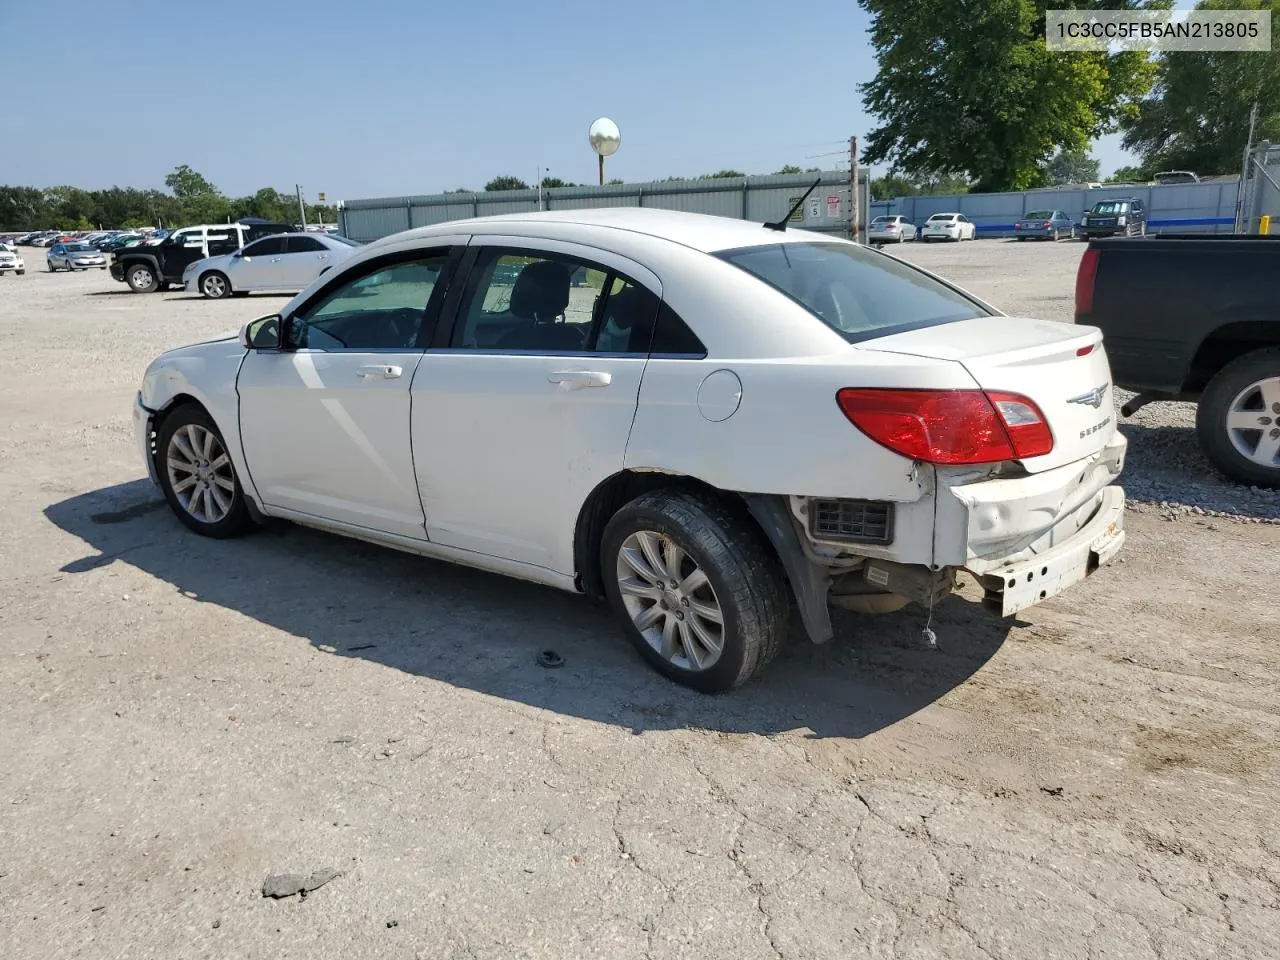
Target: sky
(376, 98)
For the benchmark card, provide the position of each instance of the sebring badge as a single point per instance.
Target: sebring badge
(1093, 398)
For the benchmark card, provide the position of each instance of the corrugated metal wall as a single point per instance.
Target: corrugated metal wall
(752, 198)
(1184, 207)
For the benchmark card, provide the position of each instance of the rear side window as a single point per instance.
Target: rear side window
(857, 293)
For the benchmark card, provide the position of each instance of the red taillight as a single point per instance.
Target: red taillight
(949, 426)
(1048, 224)
(1086, 276)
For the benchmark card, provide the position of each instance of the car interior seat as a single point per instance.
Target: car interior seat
(540, 296)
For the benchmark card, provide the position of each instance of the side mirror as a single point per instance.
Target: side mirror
(261, 334)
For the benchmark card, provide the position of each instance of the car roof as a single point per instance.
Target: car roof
(700, 231)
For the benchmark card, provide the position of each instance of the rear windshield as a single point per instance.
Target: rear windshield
(858, 293)
(943, 216)
(337, 239)
(1111, 206)
(1040, 215)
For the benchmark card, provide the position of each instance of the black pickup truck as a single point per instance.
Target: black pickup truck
(1196, 318)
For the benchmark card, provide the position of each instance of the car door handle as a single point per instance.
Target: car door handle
(379, 371)
(275, 259)
(581, 378)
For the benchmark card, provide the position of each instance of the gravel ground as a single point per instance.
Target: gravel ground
(183, 718)
(1166, 472)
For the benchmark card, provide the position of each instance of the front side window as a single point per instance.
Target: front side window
(187, 238)
(380, 310)
(858, 294)
(221, 242)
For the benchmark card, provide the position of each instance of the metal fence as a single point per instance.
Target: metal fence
(762, 198)
(1185, 207)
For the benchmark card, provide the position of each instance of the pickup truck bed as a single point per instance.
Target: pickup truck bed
(1196, 318)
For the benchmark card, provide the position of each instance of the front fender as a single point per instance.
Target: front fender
(205, 374)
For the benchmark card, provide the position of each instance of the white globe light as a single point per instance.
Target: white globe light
(605, 137)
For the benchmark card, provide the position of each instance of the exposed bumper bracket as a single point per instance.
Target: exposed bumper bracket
(810, 582)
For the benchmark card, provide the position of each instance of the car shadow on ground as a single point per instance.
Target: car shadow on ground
(484, 632)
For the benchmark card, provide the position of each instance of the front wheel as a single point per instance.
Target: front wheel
(1238, 419)
(197, 475)
(141, 279)
(699, 591)
(215, 285)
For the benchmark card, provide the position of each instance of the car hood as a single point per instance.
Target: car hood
(219, 262)
(82, 254)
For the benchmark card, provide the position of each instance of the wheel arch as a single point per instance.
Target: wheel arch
(807, 583)
(1225, 344)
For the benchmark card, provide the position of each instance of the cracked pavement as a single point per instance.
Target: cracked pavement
(182, 717)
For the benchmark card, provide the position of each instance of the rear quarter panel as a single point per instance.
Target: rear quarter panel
(1157, 300)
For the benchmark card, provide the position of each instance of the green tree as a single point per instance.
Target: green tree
(615, 180)
(550, 182)
(461, 190)
(968, 87)
(719, 174)
(1129, 175)
(201, 201)
(1197, 117)
(505, 183)
(789, 168)
(1071, 166)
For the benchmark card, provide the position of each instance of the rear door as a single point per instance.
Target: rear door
(526, 401)
(304, 258)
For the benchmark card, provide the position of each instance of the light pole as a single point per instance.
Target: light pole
(605, 140)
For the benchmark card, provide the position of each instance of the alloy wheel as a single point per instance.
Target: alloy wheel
(200, 473)
(1253, 422)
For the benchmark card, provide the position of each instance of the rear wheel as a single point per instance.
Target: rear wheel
(1238, 419)
(141, 279)
(699, 591)
(197, 475)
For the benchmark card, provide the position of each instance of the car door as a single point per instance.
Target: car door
(304, 258)
(56, 256)
(325, 419)
(256, 266)
(525, 402)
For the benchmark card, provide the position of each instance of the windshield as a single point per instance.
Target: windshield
(858, 293)
(1111, 206)
(1039, 215)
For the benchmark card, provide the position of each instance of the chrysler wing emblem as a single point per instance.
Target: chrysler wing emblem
(1093, 397)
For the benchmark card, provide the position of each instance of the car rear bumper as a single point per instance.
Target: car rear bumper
(885, 237)
(1098, 537)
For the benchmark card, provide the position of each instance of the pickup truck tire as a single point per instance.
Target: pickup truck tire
(1238, 419)
(215, 285)
(198, 476)
(730, 590)
(141, 279)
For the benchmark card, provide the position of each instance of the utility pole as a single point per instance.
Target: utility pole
(302, 210)
(853, 190)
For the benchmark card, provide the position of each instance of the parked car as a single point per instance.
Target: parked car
(949, 226)
(1193, 318)
(1127, 217)
(149, 267)
(282, 263)
(736, 415)
(890, 228)
(1044, 225)
(11, 259)
(76, 255)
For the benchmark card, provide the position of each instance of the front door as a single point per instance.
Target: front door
(325, 420)
(525, 403)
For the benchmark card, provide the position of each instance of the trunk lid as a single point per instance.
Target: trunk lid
(1061, 366)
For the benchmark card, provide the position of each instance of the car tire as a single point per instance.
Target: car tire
(141, 279)
(214, 285)
(196, 471)
(49, 264)
(1246, 390)
(742, 583)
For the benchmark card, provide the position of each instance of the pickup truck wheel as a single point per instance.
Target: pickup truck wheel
(699, 591)
(215, 285)
(1238, 419)
(141, 279)
(197, 475)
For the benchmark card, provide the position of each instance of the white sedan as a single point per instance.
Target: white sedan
(890, 228)
(280, 263)
(949, 226)
(702, 419)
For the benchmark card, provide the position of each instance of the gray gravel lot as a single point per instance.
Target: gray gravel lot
(183, 717)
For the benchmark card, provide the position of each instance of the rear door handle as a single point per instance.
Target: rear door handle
(379, 371)
(581, 378)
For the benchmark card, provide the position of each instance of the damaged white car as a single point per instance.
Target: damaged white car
(701, 419)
